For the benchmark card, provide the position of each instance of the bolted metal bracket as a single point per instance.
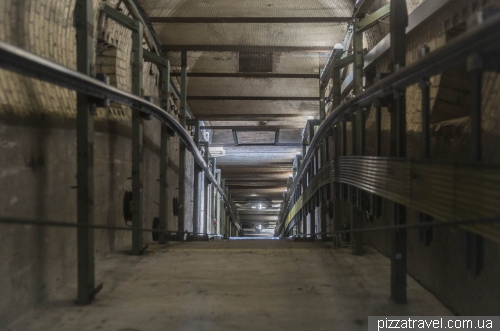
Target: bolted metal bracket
(98, 102)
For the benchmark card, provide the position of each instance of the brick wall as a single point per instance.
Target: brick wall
(454, 285)
(38, 154)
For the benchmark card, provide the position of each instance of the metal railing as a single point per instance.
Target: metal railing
(20, 61)
(477, 44)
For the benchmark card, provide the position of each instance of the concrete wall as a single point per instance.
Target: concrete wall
(38, 155)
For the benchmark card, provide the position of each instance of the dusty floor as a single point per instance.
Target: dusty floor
(236, 285)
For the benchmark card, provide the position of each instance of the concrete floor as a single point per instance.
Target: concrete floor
(236, 285)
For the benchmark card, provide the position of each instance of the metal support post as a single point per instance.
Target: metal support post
(378, 128)
(337, 211)
(84, 18)
(358, 135)
(212, 212)
(324, 213)
(322, 112)
(358, 59)
(217, 195)
(312, 219)
(336, 88)
(165, 103)
(205, 188)
(304, 220)
(196, 184)
(137, 142)
(182, 147)
(426, 109)
(475, 68)
(399, 22)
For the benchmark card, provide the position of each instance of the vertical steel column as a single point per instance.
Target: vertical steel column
(337, 86)
(426, 109)
(217, 196)
(182, 147)
(358, 138)
(137, 141)
(378, 128)
(337, 213)
(196, 184)
(475, 68)
(213, 203)
(84, 19)
(312, 219)
(205, 187)
(304, 219)
(322, 112)
(324, 213)
(165, 103)
(399, 22)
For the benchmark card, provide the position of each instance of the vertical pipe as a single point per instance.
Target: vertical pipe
(137, 142)
(165, 100)
(84, 16)
(182, 147)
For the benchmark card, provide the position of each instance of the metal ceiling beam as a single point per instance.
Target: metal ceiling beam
(247, 48)
(246, 75)
(249, 128)
(245, 98)
(374, 18)
(362, 8)
(238, 20)
(415, 19)
(251, 117)
(243, 187)
(264, 144)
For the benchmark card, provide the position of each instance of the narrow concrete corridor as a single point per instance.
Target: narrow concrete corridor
(236, 285)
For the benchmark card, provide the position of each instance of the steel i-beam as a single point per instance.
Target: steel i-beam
(165, 99)
(196, 181)
(84, 17)
(182, 147)
(217, 197)
(137, 142)
(399, 22)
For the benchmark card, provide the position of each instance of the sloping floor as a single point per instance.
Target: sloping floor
(237, 285)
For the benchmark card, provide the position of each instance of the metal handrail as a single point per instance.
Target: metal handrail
(23, 62)
(480, 39)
